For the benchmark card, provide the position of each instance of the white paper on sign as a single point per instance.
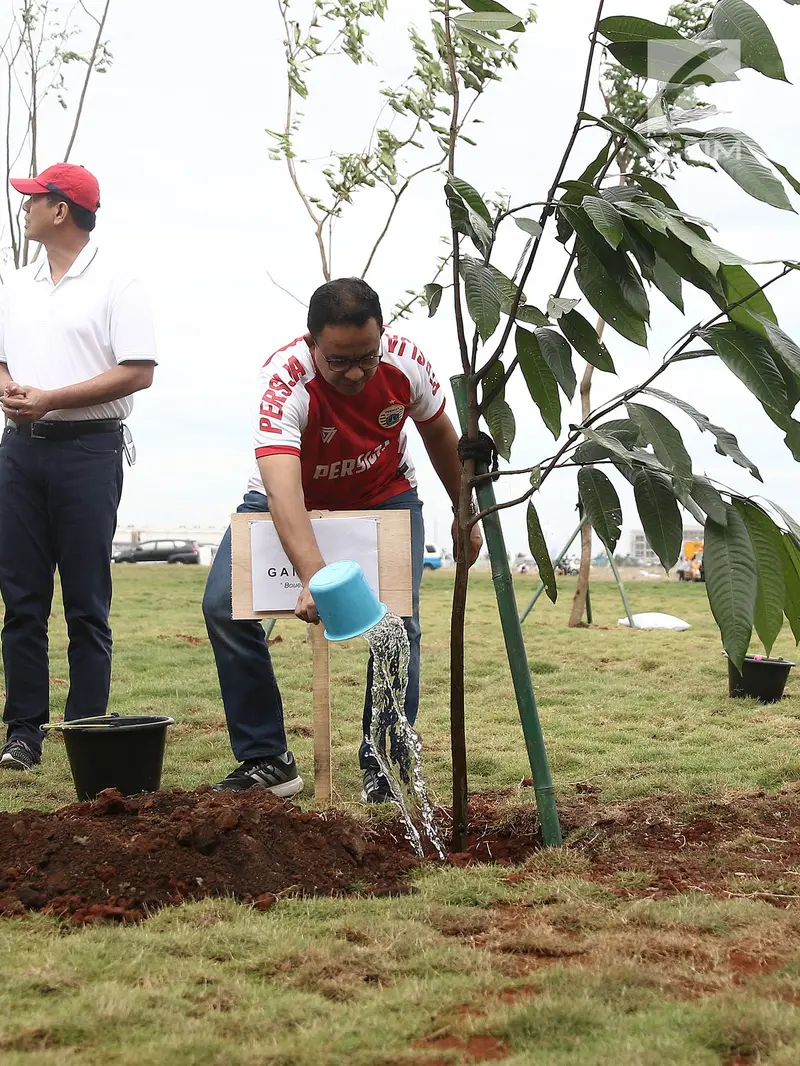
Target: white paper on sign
(275, 584)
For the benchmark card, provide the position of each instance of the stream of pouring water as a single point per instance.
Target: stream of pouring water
(388, 642)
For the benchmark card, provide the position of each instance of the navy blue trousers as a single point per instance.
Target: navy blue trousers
(58, 508)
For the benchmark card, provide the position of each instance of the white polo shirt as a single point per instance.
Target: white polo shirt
(95, 318)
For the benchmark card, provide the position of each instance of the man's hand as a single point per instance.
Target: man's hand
(306, 609)
(24, 403)
(475, 542)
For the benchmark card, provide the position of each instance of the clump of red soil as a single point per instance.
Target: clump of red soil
(119, 858)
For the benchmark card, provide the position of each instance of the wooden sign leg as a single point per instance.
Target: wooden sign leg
(321, 660)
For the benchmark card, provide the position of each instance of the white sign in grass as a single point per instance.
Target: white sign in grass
(276, 586)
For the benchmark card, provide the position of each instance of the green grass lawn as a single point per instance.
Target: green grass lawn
(552, 966)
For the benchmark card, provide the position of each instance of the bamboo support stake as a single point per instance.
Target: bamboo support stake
(321, 665)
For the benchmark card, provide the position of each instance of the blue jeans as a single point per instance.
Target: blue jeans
(58, 508)
(250, 693)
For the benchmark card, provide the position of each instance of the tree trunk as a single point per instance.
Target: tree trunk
(581, 592)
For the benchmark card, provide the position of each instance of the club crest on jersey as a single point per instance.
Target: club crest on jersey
(391, 416)
(327, 433)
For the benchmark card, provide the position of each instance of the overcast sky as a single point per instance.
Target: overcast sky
(175, 134)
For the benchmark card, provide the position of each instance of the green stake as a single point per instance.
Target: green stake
(515, 646)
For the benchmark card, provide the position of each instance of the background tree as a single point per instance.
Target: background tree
(48, 60)
(624, 243)
(626, 100)
(408, 138)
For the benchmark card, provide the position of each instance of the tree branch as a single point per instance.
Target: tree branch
(549, 209)
(89, 70)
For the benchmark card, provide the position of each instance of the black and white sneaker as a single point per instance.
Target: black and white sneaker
(277, 773)
(376, 788)
(16, 755)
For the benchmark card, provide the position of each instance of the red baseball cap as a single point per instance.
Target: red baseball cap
(74, 182)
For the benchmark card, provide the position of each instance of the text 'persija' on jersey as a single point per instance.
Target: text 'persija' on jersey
(353, 449)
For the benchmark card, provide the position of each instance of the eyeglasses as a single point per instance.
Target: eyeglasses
(341, 366)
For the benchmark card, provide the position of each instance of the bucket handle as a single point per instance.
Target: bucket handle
(99, 721)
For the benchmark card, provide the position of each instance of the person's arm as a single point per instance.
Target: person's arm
(283, 482)
(24, 403)
(441, 443)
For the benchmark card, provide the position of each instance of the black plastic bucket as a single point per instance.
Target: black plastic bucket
(122, 752)
(761, 678)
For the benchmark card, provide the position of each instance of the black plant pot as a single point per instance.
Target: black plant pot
(760, 678)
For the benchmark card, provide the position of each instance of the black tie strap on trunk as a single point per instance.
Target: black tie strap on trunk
(482, 451)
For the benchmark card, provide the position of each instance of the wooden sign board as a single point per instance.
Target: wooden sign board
(394, 560)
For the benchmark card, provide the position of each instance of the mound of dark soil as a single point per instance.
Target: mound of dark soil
(119, 858)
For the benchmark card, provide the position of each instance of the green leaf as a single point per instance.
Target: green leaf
(605, 218)
(604, 294)
(635, 141)
(433, 297)
(624, 431)
(795, 184)
(483, 22)
(709, 500)
(606, 446)
(558, 356)
(540, 379)
(464, 219)
(731, 582)
(585, 340)
(539, 551)
(727, 444)
(665, 439)
(661, 519)
(734, 20)
(529, 225)
(616, 264)
(765, 538)
(494, 379)
(782, 343)
(627, 28)
(751, 361)
(482, 42)
(483, 298)
(791, 524)
(558, 306)
(790, 558)
(729, 149)
(502, 426)
(600, 505)
(680, 258)
(669, 282)
(493, 5)
(532, 316)
(470, 196)
(739, 284)
(507, 289)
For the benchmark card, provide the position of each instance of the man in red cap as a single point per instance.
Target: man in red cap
(76, 341)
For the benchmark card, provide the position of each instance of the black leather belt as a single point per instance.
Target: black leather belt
(66, 430)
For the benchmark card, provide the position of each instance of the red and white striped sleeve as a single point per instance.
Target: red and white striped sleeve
(427, 399)
(281, 414)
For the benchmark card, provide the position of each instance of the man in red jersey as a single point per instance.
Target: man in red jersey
(329, 434)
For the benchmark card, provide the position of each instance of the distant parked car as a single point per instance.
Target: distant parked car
(432, 559)
(160, 551)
